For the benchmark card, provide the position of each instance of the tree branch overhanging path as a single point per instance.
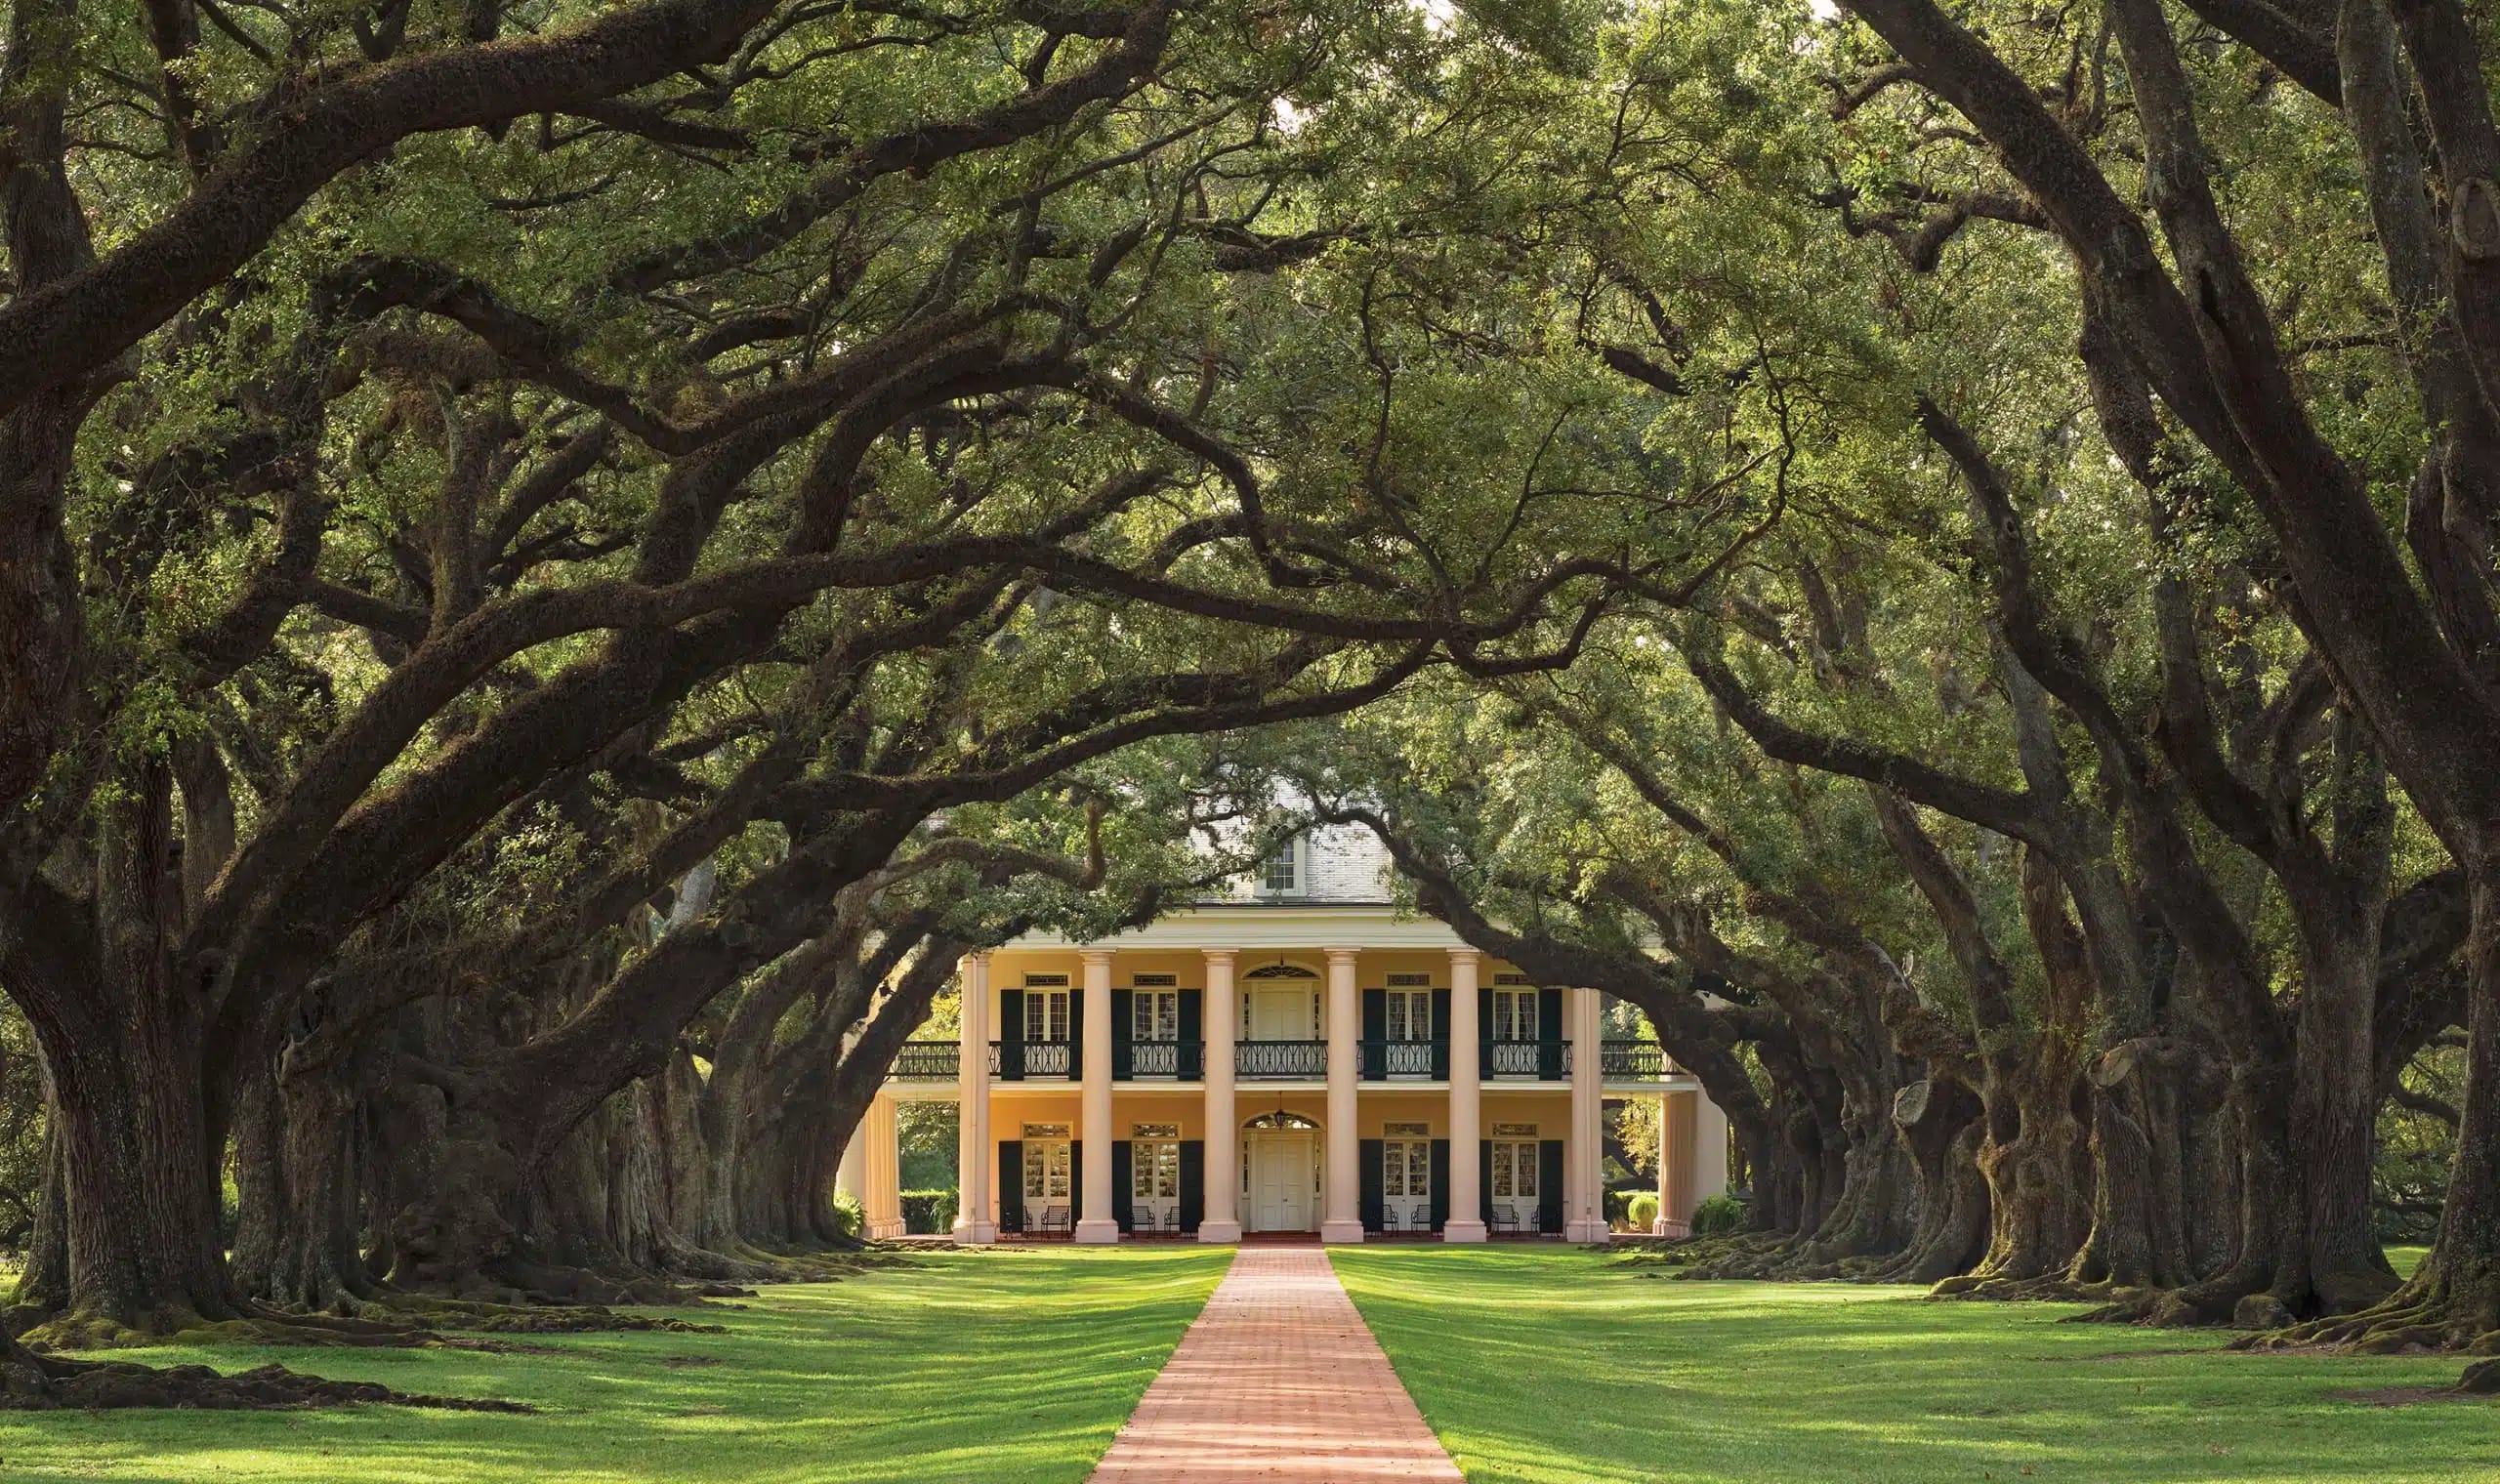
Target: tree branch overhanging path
(561, 567)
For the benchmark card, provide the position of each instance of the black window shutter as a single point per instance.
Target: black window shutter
(1075, 1036)
(1011, 1185)
(1375, 1031)
(1011, 1035)
(1549, 1184)
(1193, 1181)
(1123, 1034)
(1372, 1198)
(1485, 1033)
(1485, 1179)
(1441, 1048)
(1076, 1178)
(1440, 1181)
(1549, 1034)
(1123, 1173)
(1193, 1032)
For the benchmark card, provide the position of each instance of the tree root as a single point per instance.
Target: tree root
(36, 1383)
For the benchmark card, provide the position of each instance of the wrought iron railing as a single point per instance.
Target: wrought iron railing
(1281, 1058)
(1546, 1060)
(1044, 1058)
(1167, 1058)
(1633, 1061)
(1399, 1059)
(927, 1062)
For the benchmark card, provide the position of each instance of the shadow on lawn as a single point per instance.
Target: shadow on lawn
(1557, 1366)
(1017, 1366)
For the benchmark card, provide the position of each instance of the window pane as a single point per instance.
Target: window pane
(1525, 1154)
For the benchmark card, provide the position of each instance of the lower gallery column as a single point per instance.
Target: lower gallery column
(881, 1202)
(1466, 1103)
(1709, 1148)
(1344, 1222)
(1097, 1225)
(851, 1177)
(976, 1218)
(1584, 1180)
(1675, 1162)
(1221, 1219)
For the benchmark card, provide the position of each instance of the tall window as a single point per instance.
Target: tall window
(1513, 1169)
(1154, 1015)
(1155, 1170)
(1281, 871)
(1046, 1170)
(1515, 1014)
(1406, 1162)
(1410, 1015)
(1046, 1015)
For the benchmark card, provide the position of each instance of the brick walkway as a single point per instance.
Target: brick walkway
(1278, 1380)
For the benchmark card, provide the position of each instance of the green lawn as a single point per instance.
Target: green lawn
(1008, 1367)
(1552, 1366)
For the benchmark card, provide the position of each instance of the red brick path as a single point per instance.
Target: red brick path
(1278, 1380)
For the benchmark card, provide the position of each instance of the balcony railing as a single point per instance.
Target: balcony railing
(1184, 1060)
(1043, 1058)
(1399, 1059)
(1544, 1059)
(1297, 1059)
(1633, 1061)
(927, 1062)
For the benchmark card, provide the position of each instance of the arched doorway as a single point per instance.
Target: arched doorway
(1280, 1172)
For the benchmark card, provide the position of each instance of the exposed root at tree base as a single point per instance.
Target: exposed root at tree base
(46, 1383)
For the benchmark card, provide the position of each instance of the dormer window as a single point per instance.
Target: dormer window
(1280, 874)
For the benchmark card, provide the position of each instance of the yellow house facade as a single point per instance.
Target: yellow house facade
(1297, 1056)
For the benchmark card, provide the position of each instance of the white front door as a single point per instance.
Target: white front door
(1281, 1181)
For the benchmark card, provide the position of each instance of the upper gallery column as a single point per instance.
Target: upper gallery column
(1221, 1219)
(975, 1219)
(1584, 1184)
(1344, 1222)
(1466, 1221)
(1095, 1224)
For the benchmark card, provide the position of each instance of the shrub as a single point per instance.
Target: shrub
(847, 1218)
(1640, 1212)
(928, 1212)
(1717, 1217)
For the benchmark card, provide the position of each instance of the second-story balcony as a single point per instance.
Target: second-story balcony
(1405, 1061)
(1273, 1060)
(1633, 1061)
(1180, 1060)
(1544, 1061)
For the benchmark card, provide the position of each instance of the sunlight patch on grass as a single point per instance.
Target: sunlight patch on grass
(1554, 1366)
(1014, 1365)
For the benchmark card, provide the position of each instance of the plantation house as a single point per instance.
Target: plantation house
(1293, 1057)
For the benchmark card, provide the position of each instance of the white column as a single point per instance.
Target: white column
(851, 1176)
(1466, 1103)
(1709, 1148)
(1343, 1219)
(881, 1201)
(1584, 1164)
(1221, 1219)
(976, 1215)
(1675, 1163)
(1097, 1225)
